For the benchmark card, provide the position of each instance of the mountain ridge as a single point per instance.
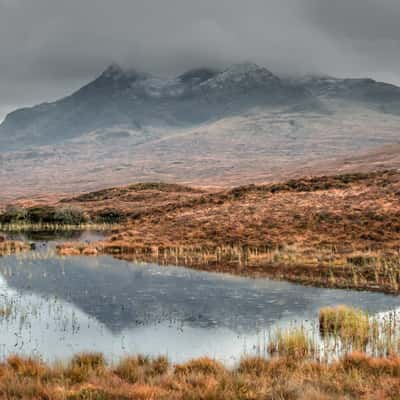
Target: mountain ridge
(240, 125)
(135, 99)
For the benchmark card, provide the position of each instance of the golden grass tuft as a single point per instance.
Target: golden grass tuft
(346, 322)
(140, 368)
(84, 365)
(204, 365)
(92, 361)
(373, 366)
(294, 344)
(257, 366)
(26, 367)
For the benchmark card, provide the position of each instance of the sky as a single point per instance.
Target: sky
(49, 48)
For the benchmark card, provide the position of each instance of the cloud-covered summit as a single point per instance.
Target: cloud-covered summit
(51, 47)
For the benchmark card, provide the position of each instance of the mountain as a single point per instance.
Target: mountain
(384, 96)
(204, 127)
(135, 100)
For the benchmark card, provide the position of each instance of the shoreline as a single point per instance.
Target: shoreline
(351, 277)
(340, 231)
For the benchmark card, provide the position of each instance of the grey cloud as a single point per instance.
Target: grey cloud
(50, 47)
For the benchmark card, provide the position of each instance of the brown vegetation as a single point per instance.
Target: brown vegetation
(346, 322)
(11, 246)
(334, 231)
(88, 376)
(298, 368)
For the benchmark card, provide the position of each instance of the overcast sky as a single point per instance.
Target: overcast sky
(50, 47)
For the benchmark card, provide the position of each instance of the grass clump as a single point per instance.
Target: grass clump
(256, 366)
(140, 368)
(294, 344)
(203, 365)
(84, 365)
(375, 366)
(348, 323)
(26, 367)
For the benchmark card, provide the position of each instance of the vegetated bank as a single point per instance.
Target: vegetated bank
(88, 376)
(15, 218)
(334, 231)
(296, 368)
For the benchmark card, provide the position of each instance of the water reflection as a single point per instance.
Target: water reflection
(67, 305)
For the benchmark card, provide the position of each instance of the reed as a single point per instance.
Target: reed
(295, 344)
(346, 322)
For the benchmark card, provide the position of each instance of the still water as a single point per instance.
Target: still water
(57, 307)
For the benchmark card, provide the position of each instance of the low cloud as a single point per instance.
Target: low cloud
(51, 47)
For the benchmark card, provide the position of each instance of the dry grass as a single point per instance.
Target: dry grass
(355, 376)
(297, 369)
(334, 231)
(138, 368)
(295, 344)
(346, 322)
(8, 247)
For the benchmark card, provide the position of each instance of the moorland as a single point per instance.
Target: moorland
(339, 231)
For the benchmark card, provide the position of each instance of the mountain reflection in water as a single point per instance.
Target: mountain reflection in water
(122, 307)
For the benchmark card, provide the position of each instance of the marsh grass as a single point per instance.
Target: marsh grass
(348, 323)
(354, 376)
(204, 366)
(27, 367)
(139, 368)
(85, 365)
(345, 330)
(295, 343)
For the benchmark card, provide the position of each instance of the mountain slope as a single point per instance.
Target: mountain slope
(133, 100)
(382, 96)
(204, 127)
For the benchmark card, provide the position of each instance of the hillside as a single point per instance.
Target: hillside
(336, 231)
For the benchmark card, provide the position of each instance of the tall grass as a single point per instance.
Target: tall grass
(346, 322)
(295, 344)
(346, 329)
